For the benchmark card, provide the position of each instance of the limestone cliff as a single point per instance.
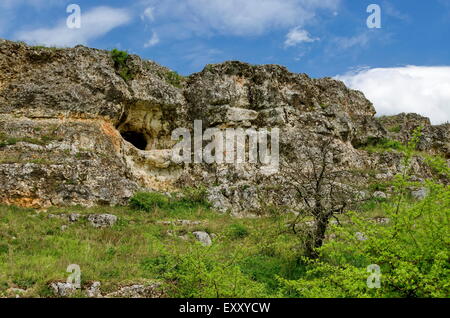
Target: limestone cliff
(74, 131)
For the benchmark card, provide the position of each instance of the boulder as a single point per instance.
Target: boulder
(203, 237)
(93, 291)
(102, 220)
(62, 289)
(419, 194)
(380, 195)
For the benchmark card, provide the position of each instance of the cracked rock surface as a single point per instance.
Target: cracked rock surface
(73, 131)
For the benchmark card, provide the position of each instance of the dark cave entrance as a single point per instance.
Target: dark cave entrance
(136, 139)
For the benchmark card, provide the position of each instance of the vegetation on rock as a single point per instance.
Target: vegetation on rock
(120, 59)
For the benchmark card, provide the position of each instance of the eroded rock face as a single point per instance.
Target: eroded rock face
(435, 139)
(72, 131)
(62, 113)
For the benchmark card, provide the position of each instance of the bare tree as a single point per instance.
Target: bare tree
(322, 189)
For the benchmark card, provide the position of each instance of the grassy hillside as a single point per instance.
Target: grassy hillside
(249, 257)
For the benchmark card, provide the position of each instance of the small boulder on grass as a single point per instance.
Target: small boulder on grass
(419, 194)
(93, 291)
(203, 237)
(102, 220)
(380, 195)
(62, 289)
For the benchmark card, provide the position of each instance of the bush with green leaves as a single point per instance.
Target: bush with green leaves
(174, 79)
(412, 250)
(148, 201)
(202, 274)
(182, 205)
(195, 195)
(439, 166)
(120, 59)
(238, 231)
(384, 144)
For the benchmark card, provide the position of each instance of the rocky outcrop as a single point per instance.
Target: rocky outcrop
(435, 139)
(73, 131)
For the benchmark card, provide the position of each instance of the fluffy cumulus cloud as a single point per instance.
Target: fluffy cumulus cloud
(94, 23)
(417, 89)
(296, 36)
(233, 17)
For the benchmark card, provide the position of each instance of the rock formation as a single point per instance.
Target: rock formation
(74, 131)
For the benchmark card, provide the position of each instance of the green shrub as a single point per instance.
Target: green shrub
(25, 282)
(238, 231)
(202, 275)
(263, 269)
(195, 195)
(383, 144)
(49, 48)
(4, 249)
(7, 141)
(438, 165)
(148, 201)
(157, 266)
(192, 201)
(209, 68)
(395, 129)
(120, 59)
(174, 79)
(411, 250)
(379, 186)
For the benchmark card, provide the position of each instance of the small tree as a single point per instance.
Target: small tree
(411, 250)
(321, 189)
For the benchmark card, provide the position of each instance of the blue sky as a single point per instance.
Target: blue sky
(317, 37)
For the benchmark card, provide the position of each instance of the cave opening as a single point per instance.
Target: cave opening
(136, 139)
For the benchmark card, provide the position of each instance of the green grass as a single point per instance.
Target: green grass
(43, 140)
(395, 129)
(50, 48)
(35, 251)
(383, 145)
(249, 257)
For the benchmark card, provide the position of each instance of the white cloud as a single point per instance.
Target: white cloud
(410, 89)
(234, 17)
(148, 14)
(153, 40)
(94, 23)
(298, 35)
